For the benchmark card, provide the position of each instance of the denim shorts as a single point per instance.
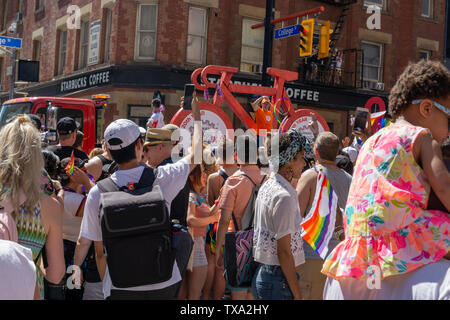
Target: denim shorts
(269, 283)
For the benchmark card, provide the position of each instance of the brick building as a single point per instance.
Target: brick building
(131, 48)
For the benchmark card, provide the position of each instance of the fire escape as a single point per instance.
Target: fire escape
(324, 71)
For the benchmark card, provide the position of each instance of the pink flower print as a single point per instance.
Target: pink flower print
(389, 145)
(400, 240)
(404, 185)
(405, 142)
(422, 255)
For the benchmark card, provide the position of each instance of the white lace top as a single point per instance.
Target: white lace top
(277, 214)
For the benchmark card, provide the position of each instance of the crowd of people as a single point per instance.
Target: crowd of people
(76, 227)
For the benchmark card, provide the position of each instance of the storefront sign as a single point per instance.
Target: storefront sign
(300, 122)
(87, 81)
(94, 42)
(215, 123)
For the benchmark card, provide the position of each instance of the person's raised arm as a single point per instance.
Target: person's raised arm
(256, 103)
(434, 168)
(196, 153)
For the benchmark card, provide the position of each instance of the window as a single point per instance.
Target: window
(139, 114)
(252, 51)
(424, 55)
(380, 3)
(36, 50)
(62, 51)
(38, 5)
(84, 44)
(146, 31)
(3, 14)
(108, 28)
(372, 64)
(427, 8)
(197, 36)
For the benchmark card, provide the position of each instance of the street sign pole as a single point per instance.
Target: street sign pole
(13, 67)
(268, 41)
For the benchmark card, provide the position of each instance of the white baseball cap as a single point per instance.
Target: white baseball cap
(121, 133)
(352, 153)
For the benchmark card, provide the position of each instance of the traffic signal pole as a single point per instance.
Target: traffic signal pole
(268, 41)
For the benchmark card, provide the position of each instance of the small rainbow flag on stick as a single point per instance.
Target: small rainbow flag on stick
(70, 165)
(318, 226)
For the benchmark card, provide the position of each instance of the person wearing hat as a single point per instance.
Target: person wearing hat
(263, 114)
(124, 141)
(67, 134)
(157, 118)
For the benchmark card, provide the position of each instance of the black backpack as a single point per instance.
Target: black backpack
(136, 232)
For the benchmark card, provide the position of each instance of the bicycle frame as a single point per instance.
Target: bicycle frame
(277, 92)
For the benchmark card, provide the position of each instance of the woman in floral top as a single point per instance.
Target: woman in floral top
(393, 244)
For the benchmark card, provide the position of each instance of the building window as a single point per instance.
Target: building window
(372, 64)
(62, 51)
(36, 50)
(4, 14)
(424, 55)
(427, 8)
(108, 28)
(252, 51)
(197, 35)
(146, 31)
(84, 44)
(38, 5)
(379, 3)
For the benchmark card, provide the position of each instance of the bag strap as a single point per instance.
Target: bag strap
(147, 179)
(224, 176)
(253, 211)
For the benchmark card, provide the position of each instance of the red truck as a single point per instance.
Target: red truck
(86, 112)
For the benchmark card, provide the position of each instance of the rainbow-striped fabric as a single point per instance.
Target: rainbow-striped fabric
(318, 226)
(70, 166)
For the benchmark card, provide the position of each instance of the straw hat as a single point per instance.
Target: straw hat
(157, 136)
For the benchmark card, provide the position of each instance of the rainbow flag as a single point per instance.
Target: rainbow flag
(318, 226)
(70, 165)
(378, 121)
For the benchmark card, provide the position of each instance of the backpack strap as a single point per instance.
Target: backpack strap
(147, 179)
(107, 185)
(224, 176)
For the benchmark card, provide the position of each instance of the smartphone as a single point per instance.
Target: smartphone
(361, 117)
(188, 93)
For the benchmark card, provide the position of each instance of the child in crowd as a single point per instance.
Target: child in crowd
(157, 118)
(199, 215)
(392, 240)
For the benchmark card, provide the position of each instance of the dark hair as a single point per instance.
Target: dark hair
(51, 164)
(226, 149)
(36, 121)
(425, 79)
(244, 145)
(63, 176)
(196, 175)
(78, 140)
(126, 154)
(156, 103)
(344, 162)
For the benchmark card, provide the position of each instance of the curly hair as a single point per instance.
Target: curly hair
(425, 79)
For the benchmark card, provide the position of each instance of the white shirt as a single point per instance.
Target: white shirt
(17, 272)
(429, 282)
(277, 214)
(71, 223)
(156, 120)
(171, 178)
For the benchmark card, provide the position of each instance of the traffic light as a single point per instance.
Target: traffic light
(324, 40)
(306, 37)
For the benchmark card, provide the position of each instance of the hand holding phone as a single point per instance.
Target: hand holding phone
(361, 117)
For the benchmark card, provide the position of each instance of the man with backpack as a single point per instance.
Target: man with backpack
(234, 200)
(128, 216)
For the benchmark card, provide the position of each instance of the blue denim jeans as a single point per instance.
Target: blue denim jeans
(269, 283)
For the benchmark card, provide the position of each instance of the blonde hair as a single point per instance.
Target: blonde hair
(21, 162)
(95, 152)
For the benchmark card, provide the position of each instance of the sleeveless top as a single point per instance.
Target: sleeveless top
(31, 234)
(387, 226)
(201, 211)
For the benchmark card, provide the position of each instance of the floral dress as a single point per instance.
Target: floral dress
(386, 221)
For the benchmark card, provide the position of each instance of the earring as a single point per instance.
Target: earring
(289, 174)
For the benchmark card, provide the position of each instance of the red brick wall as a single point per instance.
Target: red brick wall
(224, 33)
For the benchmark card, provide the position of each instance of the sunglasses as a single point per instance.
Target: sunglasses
(436, 104)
